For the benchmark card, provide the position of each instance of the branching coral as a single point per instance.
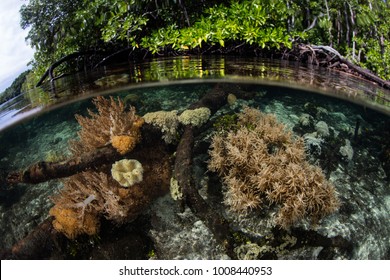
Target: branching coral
(112, 124)
(92, 194)
(88, 195)
(262, 163)
(195, 117)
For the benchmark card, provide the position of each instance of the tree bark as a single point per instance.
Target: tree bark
(183, 174)
(333, 57)
(45, 171)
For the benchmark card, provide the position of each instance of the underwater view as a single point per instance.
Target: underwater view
(210, 162)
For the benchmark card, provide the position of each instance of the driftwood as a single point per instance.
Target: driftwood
(45, 171)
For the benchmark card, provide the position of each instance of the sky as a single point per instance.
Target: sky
(15, 52)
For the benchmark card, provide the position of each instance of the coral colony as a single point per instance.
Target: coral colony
(111, 125)
(262, 164)
(119, 192)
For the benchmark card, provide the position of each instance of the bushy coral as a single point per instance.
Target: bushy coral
(262, 163)
(166, 121)
(123, 143)
(75, 214)
(90, 195)
(71, 224)
(111, 121)
(195, 117)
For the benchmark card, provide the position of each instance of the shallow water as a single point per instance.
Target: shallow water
(354, 155)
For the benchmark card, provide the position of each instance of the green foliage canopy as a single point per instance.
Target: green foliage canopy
(357, 28)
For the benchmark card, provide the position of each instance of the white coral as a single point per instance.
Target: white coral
(127, 172)
(166, 121)
(195, 117)
(322, 129)
(347, 150)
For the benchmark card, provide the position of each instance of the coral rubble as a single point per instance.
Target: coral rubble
(263, 164)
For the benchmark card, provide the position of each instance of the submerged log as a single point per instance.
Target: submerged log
(44, 171)
(218, 225)
(183, 174)
(38, 244)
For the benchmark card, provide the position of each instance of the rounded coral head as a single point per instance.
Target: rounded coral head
(127, 172)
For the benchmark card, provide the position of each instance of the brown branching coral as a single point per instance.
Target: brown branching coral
(87, 196)
(90, 195)
(263, 164)
(112, 124)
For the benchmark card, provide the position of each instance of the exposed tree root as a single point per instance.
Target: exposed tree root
(328, 57)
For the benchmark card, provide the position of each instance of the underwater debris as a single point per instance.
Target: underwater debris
(261, 163)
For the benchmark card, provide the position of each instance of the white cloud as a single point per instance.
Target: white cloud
(14, 51)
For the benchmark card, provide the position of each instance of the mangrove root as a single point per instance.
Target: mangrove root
(45, 171)
(329, 57)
